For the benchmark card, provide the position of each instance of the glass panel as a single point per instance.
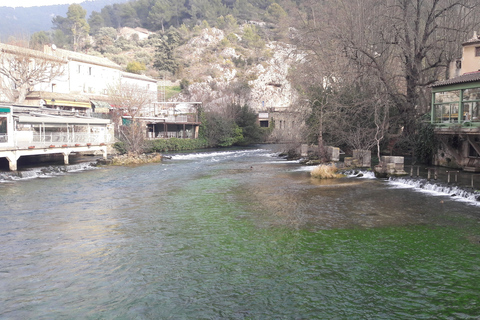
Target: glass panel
(3, 130)
(472, 111)
(447, 96)
(471, 94)
(446, 113)
(3, 125)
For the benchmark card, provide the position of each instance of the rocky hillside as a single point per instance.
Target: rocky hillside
(232, 73)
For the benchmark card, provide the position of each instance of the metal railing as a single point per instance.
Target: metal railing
(72, 138)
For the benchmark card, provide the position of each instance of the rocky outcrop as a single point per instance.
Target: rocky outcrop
(217, 82)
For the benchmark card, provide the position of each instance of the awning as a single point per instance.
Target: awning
(101, 106)
(63, 120)
(67, 103)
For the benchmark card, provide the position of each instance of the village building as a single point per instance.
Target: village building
(455, 111)
(130, 33)
(73, 112)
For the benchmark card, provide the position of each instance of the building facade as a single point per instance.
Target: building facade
(455, 112)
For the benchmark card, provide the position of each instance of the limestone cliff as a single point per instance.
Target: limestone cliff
(220, 73)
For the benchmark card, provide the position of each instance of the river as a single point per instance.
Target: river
(234, 234)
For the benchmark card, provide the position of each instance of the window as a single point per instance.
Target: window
(89, 71)
(477, 51)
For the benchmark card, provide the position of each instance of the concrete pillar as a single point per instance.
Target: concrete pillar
(104, 149)
(65, 157)
(12, 164)
(12, 158)
(364, 157)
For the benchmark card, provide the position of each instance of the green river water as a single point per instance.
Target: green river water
(233, 234)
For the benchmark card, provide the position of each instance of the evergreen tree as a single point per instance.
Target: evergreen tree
(79, 27)
(165, 52)
(160, 14)
(96, 22)
(39, 39)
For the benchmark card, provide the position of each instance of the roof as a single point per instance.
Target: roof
(137, 76)
(82, 57)
(16, 50)
(465, 78)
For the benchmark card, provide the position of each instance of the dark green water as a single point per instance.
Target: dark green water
(233, 235)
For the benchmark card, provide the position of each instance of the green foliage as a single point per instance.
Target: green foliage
(172, 91)
(120, 147)
(121, 60)
(124, 44)
(107, 32)
(238, 126)
(251, 38)
(136, 67)
(246, 119)
(160, 13)
(96, 22)
(79, 26)
(275, 12)
(184, 83)
(60, 38)
(39, 39)
(143, 57)
(425, 143)
(174, 144)
(165, 52)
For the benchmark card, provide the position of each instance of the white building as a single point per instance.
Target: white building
(85, 80)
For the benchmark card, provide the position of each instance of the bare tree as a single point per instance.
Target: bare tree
(390, 49)
(130, 102)
(21, 69)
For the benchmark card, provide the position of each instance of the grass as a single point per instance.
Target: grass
(325, 172)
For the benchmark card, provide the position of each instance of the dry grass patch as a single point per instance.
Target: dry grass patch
(325, 172)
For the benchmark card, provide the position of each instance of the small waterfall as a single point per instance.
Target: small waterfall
(438, 189)
(359, 174)
(46, 172)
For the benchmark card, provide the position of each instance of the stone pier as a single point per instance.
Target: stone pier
(390, 166)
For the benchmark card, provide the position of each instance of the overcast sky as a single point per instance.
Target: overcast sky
(31, 3)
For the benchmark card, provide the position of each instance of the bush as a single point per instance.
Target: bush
(325, 172)
(120, 147)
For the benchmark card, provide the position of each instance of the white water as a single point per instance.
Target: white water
(46, 172)
(217, 155)
(435, 189)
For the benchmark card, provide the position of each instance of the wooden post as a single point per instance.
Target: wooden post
(448, 176)
(428, 174)
(411, 171)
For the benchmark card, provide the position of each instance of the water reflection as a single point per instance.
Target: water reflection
(232, 236)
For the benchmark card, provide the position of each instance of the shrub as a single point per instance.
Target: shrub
(120, 147)
(325, 172)
(175, 144)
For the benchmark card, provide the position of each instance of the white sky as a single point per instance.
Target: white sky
(31, 3)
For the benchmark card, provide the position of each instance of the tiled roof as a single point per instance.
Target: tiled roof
(467, 77)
